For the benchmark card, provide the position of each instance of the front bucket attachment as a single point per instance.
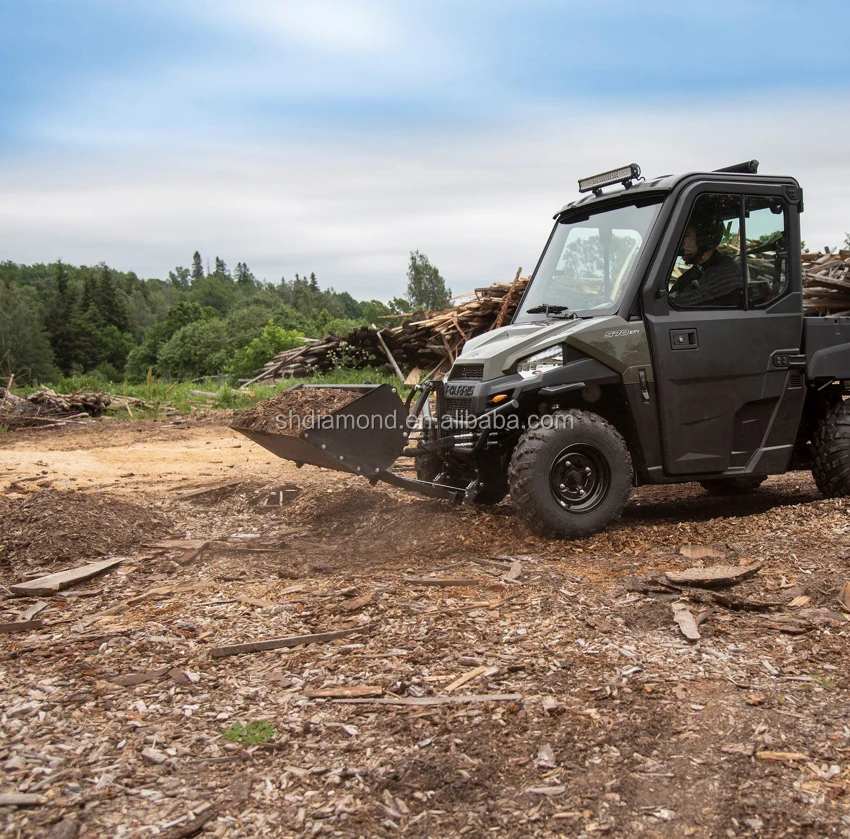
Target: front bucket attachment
(365, 437)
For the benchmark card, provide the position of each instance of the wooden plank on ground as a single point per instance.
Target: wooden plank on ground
(20, 799)
(432, 581)
(291, 641)
(20, 626)
(437, 700)
(715, 575)
(56, 582)
(345, 692)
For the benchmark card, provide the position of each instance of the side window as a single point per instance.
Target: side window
(766, 250)
(708, 273)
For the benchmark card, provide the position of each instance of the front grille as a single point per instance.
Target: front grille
(457, 409)
(470, 372)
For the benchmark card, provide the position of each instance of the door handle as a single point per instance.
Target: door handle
(684, 339)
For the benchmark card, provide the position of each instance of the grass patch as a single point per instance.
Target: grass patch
(161, 394)
(255, 732)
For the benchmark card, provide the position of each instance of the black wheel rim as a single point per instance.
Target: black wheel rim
(580, 478)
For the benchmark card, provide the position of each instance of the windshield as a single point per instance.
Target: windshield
(588, 263)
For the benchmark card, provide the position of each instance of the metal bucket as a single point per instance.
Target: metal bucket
(364, 438)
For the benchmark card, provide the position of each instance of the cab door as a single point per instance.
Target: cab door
(724, 341)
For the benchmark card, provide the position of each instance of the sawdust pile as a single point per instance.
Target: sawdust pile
(54, 526)
(294, 410)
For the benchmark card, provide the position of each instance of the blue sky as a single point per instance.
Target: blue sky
(337, 136)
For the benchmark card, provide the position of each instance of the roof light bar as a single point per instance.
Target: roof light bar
(624, 175)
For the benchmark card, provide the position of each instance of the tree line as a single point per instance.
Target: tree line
(59, 319)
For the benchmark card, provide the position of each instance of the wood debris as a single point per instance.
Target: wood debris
(701, 552)
(429, 342)
(592, 714)
(716, 575)
(293, 641)
(20, 626)
(686, 622)
(64, 579)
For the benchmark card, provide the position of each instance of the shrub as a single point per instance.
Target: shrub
(246, 362)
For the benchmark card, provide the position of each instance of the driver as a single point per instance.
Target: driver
(714, 279)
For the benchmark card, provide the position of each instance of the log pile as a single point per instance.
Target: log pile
(45, 407)
(826, 283)
(430, 344)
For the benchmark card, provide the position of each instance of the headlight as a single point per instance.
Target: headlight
(540, 362)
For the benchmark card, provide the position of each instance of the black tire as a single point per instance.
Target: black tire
(553, 492)
(733, 486)
(831, 452)
(429, 467)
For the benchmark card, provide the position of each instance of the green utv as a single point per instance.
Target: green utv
(661, 339)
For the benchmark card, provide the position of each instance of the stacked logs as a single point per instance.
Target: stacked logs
(826, 283)
(428, 344)
(46, 407)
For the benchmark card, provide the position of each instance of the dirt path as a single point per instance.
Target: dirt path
(607, 721)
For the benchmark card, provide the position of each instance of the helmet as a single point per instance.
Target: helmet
(710, 233)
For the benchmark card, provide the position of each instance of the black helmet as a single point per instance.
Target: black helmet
(710, 232)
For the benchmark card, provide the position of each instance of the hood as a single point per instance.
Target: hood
(500, 349)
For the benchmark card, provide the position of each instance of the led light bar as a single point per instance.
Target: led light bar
(624, 175)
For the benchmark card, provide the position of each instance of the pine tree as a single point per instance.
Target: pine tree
(197, 267)
(314, 283)
(221, 269)
(108, 302)
(426, 289)
(60, 321)
(244, 277)
(89, 295)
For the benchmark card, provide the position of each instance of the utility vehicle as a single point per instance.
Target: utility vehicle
(661, 339)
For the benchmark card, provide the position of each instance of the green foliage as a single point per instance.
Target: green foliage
(214, 291)
(24, 344)
(59, 319)
(197, 267)
(426, 289)
(197, 349)
(255, 732)
(248, 360)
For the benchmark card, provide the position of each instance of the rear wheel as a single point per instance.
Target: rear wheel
(571, 478)
(733, 486)
(831, 452)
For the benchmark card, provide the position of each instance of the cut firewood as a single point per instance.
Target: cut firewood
(291, 641)
(56, 582)
(717, 575)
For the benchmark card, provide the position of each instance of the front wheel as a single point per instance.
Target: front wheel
(572, 477)
(831, 452)
(733, 486)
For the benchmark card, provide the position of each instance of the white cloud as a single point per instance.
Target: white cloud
(351, 207)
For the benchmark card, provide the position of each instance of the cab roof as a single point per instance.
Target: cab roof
(665, 184)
